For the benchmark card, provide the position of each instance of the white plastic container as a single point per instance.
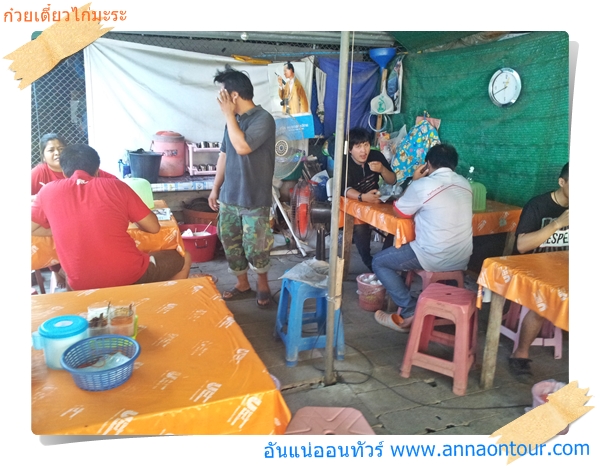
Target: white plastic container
(55, 335)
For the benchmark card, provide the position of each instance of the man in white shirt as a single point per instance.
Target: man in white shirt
(441, 202)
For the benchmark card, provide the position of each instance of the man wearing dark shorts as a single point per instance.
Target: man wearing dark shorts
(88, 217)
(242, 190)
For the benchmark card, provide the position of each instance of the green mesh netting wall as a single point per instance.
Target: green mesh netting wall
(517, 151)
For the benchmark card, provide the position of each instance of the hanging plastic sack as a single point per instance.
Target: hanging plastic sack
(540, 392)
(396, 140)
(435, 122)
(413, 149)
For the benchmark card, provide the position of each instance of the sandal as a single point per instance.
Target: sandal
(520, 369)
(393, 321)
(238, 294)
(263, 296)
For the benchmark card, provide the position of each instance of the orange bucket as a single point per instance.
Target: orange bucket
(173, 148)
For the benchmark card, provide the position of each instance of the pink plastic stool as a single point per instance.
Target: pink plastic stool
(314, 420)
(435, 277)
(458, 306)
(549, 334)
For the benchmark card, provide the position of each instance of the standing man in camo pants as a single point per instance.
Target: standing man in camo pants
(242, 191)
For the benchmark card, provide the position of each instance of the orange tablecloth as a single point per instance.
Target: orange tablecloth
(196, 373)
(539, 282)
(43, 252)
(497, 218)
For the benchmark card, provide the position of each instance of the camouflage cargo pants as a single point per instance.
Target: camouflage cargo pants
(246, 237)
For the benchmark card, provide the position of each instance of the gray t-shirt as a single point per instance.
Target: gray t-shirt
(248, 178)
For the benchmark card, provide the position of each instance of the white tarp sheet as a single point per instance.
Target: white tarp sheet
(135, 90)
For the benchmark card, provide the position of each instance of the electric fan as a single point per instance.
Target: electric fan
(302, 198)
(309, 214)
(289, 152)
(288, 156)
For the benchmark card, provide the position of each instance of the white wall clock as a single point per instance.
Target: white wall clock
(505, 87)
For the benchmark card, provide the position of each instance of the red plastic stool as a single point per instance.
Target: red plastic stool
(549, 334)
(458, 306)
(435, 277)
(314, 420)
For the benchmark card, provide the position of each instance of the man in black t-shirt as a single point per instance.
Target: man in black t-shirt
(364, 166)
(543, 227)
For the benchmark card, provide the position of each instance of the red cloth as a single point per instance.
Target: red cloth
(41, 175)
(89, 217)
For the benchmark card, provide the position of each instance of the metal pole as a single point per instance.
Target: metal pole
(334, 291)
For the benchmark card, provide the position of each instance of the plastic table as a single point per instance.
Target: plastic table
(196, 373)
(497, 218)
(539, 282)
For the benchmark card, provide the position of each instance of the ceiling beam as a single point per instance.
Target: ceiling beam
(361, 38)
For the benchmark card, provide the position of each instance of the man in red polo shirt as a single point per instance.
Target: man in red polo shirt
(88, 217)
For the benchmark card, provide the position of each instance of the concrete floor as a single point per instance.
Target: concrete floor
(368, 378)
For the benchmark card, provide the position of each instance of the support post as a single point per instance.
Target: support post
(335, 279)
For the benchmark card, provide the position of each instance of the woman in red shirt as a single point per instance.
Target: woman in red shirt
(51, 145)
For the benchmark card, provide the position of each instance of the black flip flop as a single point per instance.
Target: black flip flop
(237, 294)
(262, 296)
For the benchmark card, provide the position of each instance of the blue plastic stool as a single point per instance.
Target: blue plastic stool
(295, 318)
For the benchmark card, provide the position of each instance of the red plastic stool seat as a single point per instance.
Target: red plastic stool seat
(458, 306)
(435, 277)
(549, 334)
(314, 420)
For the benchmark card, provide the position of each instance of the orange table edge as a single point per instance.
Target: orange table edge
(43, 251)
(539, 282)
(197, 373)
(497, 218)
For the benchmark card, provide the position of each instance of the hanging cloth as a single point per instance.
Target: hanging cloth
(321, 80)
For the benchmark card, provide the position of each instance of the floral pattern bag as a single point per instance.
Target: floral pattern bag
(412, 149)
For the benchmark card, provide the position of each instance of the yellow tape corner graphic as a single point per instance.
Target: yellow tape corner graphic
(545, 421)
(64, 38)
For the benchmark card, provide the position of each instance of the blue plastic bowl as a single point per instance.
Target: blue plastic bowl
(86, 352)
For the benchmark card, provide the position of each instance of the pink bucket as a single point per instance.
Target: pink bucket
(540, 392)
(371, 297)
(173, 148)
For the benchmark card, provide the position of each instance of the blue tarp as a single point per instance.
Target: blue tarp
(366, 82)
